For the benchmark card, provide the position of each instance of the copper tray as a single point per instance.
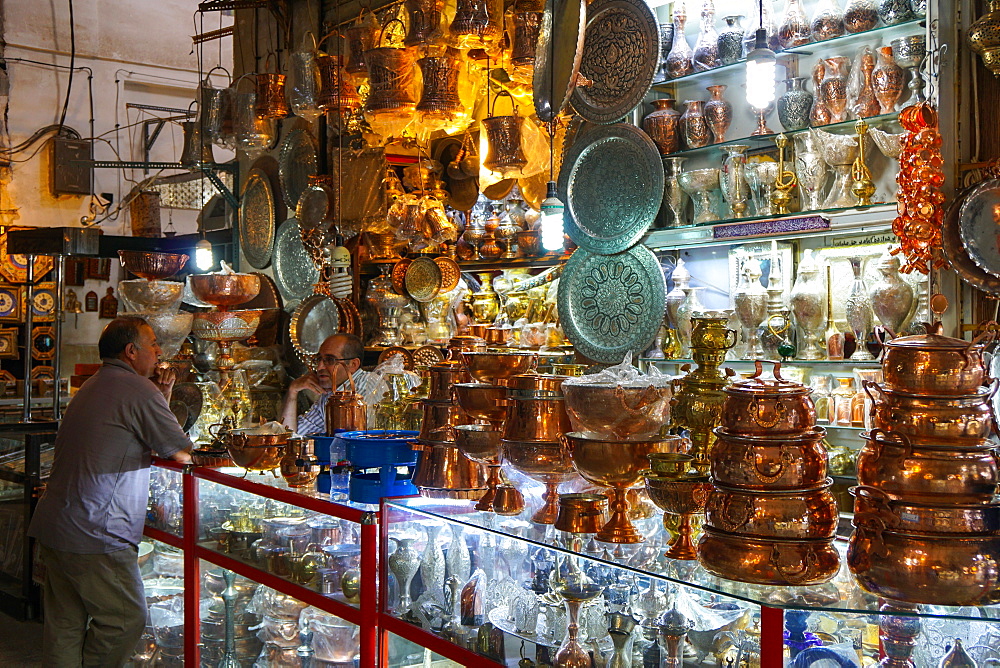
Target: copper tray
(257, 219)
(954, 250)
(423, 279)
(297, 162)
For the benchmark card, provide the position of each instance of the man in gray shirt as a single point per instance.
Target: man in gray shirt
(89, 520)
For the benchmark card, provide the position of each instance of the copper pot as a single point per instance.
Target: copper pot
(548, 463)
(889, 462)
(346, 410)
(581, 513)
(482, 402)
(938, 569)
(539, 420)
(256, 452)
(956, 420)
(802, 514)
(761, 407)
(442, 471)
(497, 367)
(465, 343)
(440, 418)
(535, 386)
(443, 377)
(756, 462)
(874, 508)
(299, 466)
(935, 364)
(613, 411)
(772, 561)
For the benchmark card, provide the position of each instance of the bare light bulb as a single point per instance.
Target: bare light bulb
(552, 219)
(761, 68)
(203, 256)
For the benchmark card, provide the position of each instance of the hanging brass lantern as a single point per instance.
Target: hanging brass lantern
(360, 38)
(271, 102)
(391, 80)
(477, 23)
(439, 100)
(425, 21)
(503, 134)
(337, 95)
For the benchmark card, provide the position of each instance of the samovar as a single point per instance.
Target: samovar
(698, 396)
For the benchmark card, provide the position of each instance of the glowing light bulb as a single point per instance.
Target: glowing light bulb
(552, 219)
(203, 256)
(761, 67)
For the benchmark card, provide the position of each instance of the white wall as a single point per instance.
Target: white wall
(139, 51)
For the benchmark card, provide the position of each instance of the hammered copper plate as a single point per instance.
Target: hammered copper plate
(611, 304)
(427, 356)
(297, 162)
(294, 271)
(398, 276)
(397, 351)
(955, 253)
(353, 316)
(620, 51)
(423, 279)
(451, 273)
(557, 56)
(257, 219)
(978, 219)
(612, 183)
(315, 319)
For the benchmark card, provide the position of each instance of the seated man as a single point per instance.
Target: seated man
(339, 357)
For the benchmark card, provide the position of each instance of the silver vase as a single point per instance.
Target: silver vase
(432, 565)
(858, 311)
(750, 300)
(760, 177)
(681, 278)
(794, 105)
(811, 170)
(839, 151)
(808, 299)
(458, 563)
(404, 563)
(674, 197)
(733, 180)
(891, 296)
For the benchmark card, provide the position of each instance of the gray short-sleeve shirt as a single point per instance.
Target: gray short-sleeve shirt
(95, 500)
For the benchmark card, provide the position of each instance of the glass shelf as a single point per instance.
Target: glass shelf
(842, 594)
(767, 141)
(898, 30)
(787, 363)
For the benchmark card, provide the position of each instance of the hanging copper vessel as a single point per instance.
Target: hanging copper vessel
(271, 102)
(504, 140)
(425, 21)
(390, 79)
(337, 95)
(360, 38)
(477, 23)
(527, 25)
(197, 146)
(439, 98)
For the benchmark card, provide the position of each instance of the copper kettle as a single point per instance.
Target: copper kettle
(346, 410)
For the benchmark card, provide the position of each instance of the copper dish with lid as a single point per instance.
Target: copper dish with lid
(935, 364)
(636, 412)
(955, 420)
(802, 514)
(760, 463)
(772, 561)
(933, 569)
(873, 508)
(889, 462)
(764, 407)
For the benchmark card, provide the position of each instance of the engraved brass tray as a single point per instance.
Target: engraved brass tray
(423, 279)
(620, 53)
(612, 183)
(977, 225)
(257, 219)
(294, 271)
(557, 58)
(296, 164)
(451, 273)
(611, 304)
(954, 251)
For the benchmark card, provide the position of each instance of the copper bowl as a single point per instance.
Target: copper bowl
(225, 326)
(958, 420)
(761, 463)
(889, 462)
(933, 364)
(151, 265)
(679, 496)
(937, 569)
(772, 561)
(581, 513)
(256, 452)
(803, 514)
(615, 463)
(496, 368)
(544, 462)
(629, 413)
(539, 420)
(482, 401)
(478, 442)
(225, 290)
(873, 508)
(670, 464)
(439, 420)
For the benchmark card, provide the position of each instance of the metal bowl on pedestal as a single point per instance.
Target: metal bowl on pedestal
(225, 290)
(151, 265)
(496, 368)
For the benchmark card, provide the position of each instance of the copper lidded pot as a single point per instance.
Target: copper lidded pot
(889, 462)
(535, 412)
(952, 420)
(802, 514)
(762, 407)
(772, 561)
(444, 472)
(935, 364)
(759, 463)
(873, 508)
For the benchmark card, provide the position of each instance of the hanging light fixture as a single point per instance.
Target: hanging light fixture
(761, 66)
(204, 258)
(552, 207)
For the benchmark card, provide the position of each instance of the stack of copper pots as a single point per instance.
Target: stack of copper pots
(442, 471)
(771, 518)
(927, 529)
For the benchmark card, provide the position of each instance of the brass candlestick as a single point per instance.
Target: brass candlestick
(784, 182)
(862, 186)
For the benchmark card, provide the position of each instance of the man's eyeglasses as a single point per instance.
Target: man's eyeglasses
(330, 359)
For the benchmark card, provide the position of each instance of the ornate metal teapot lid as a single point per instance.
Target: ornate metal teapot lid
(766, 386)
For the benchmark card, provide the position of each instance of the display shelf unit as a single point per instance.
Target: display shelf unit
(553, 260)
(189, 540)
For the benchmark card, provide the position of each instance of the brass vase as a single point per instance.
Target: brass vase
(718, 113)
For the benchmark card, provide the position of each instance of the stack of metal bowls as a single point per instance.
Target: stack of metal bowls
(927, 528)
(771, 518)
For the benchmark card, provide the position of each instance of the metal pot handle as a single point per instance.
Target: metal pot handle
(642, 402)
(796, 573)
(736, 516)
(757, 417)
(786, 457)
(988, 334)
(735, 338)
(880, 436)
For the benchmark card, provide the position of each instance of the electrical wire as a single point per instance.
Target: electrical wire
(72, 62)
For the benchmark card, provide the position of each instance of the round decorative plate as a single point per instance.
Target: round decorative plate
(269, 297)
(451, 273)
(398, 277)
(397, 351)
(314, 206)
(294, 272)
(423, 279)
(612, 183)
(427, 356)
(620, 50)
(611, 304)
(257, 219)
(296, 164)
(353, 317)
(977, 225)
(188, 396)
(315, 319)
(956, 254)
(14, 268)
(557, 57)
